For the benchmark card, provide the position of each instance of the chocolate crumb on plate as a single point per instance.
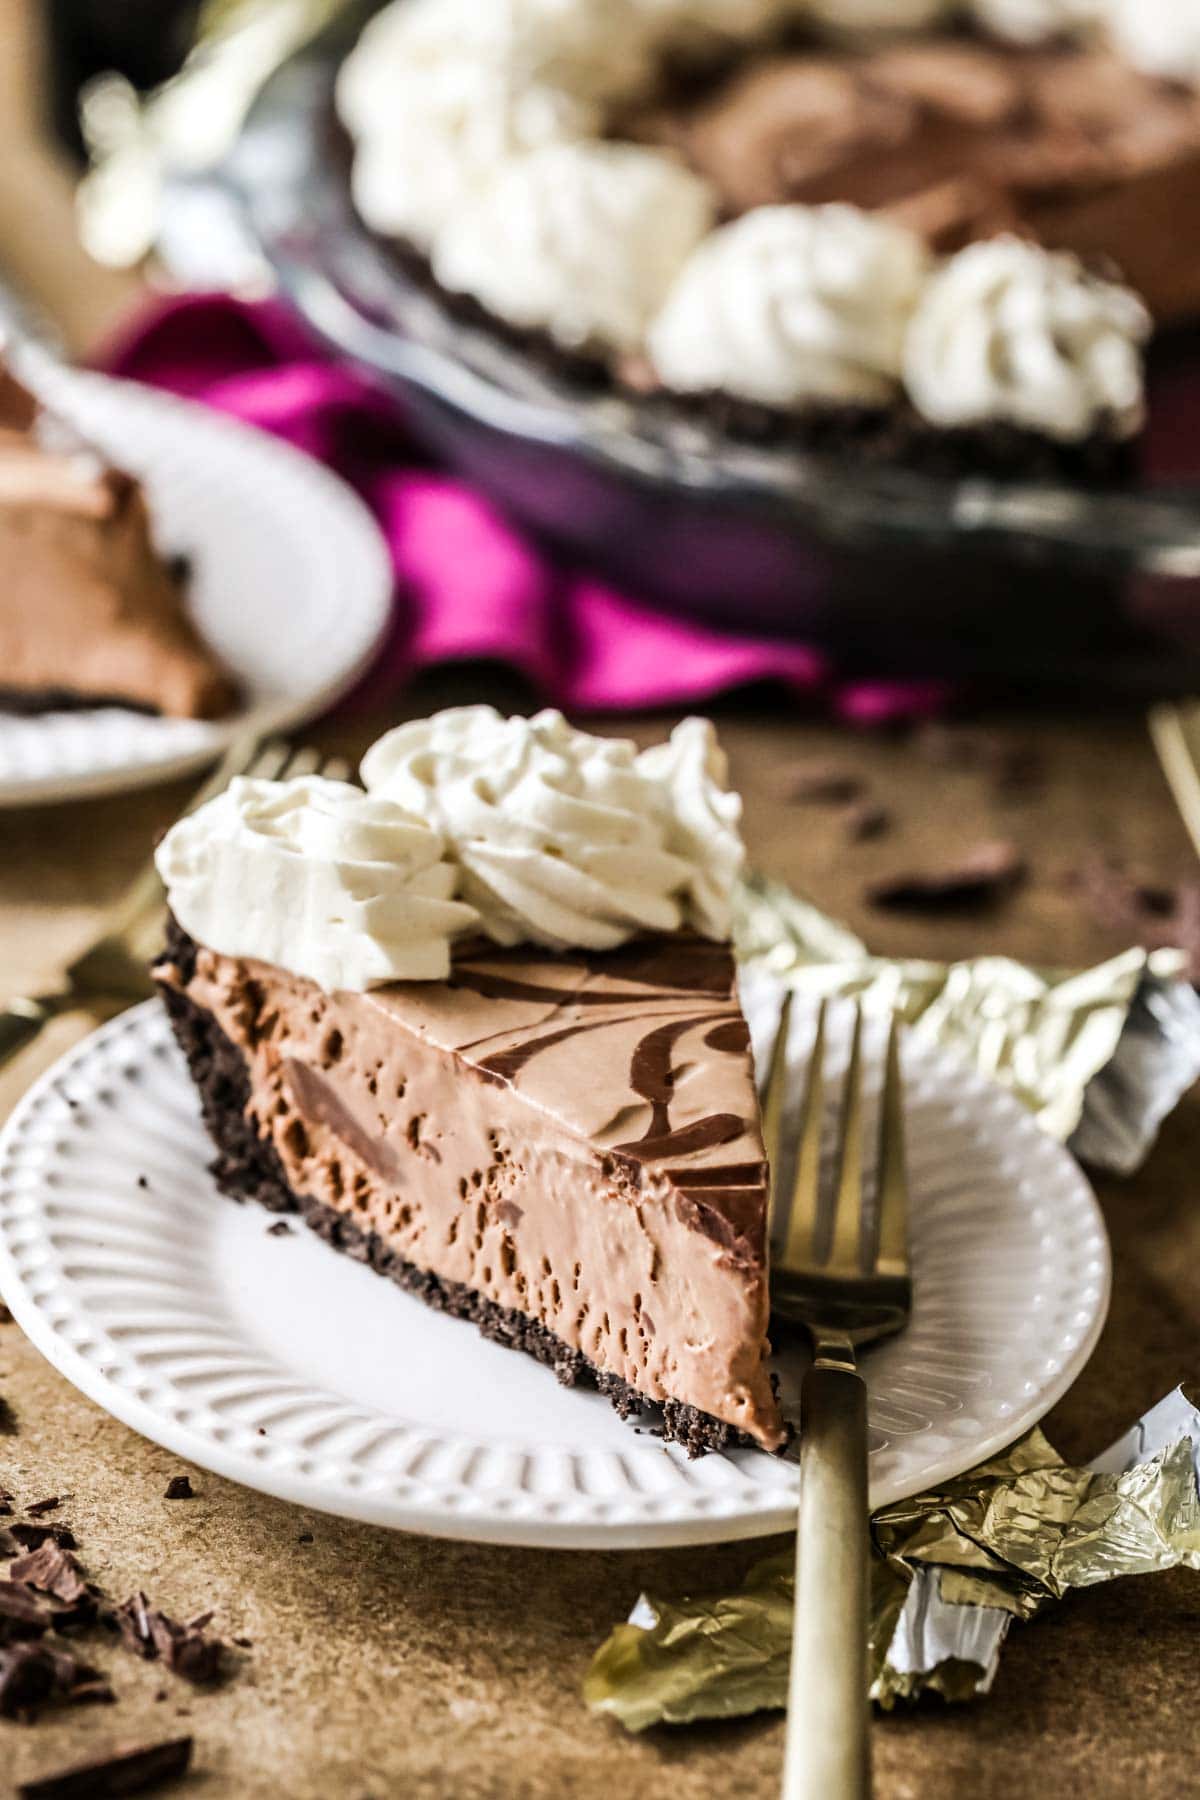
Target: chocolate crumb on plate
(822, 784)
(179, 1488)
(36, 1508)
(129, 1769)
(306, 1537)
(280, 1228)
(142, 1182)
(983, 874)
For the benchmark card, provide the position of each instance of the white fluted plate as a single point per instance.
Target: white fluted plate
(290, 582)
(283, 1365)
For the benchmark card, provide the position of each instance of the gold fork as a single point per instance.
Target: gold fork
(843, 1275)
(113, 971)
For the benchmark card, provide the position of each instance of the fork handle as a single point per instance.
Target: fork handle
(22, 1020)
(828, 1754)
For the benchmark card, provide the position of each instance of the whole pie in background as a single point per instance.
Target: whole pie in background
(930, 234)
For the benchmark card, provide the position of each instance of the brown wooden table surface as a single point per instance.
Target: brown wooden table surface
(390, 1665)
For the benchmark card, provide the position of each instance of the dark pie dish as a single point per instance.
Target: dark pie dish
(903, 563)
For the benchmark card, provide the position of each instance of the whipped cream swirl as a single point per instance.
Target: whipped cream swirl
(1160, 36)
(1034, 21)
(567, 839)
(1007, 330)
(435, 112)
(582, 240)
(447, 132)
(792, 303)
(317, 877)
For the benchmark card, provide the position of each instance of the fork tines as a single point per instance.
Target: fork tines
(845, 1239)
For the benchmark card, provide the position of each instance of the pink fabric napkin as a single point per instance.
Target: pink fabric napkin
(470, 585)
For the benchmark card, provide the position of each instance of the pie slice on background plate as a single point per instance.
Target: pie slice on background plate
(90, 612)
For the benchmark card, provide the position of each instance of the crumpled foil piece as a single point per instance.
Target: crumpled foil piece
(1099, 1056)
(951, 1570)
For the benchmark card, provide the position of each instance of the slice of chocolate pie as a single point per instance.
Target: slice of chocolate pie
(564, 1149)
(562, 1145)
(90, 613)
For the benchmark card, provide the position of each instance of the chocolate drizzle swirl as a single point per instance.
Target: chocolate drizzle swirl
(673, 977)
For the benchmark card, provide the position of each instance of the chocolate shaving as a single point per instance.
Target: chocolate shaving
(822, 784)
(179, 1488)
(52, 1570)
(131, 1769)
(866, 821)
(36, 1508)
(983, 874)
(280, 1228)
(23, 1614)
(27, 1678)
(184, 1649)
(20, 1536)
(6, 1503)
(33, 1673)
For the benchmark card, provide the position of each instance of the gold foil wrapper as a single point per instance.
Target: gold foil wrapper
(951, 1569)
(1100, 1055)
(1043, 1034)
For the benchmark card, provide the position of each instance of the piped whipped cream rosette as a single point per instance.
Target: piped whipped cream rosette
(484, 135)
(566, 839)
(581, 240)
(525, 830)
(1007, 331)
(792, 303)
(343, 887)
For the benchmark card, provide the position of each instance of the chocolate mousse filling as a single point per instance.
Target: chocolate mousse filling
(563, 1150)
